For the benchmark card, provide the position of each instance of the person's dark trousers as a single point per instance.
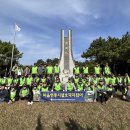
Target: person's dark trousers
(4, 95)
(97, 75)
(109, 94)
(30, 96)
(102, 98)
(57, 75)
(40, 75)
(33, 75)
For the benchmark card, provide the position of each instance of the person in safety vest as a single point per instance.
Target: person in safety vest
(87, 83)
(107, 70)
(70, 85)
(101, 92)
(119, 83)
(76, 70)
(3, 81)
(110, 90)
(92, 88)
(37, 79)
(44, 87)
(85, 70)
(107, 80)
(126, 79)
(22, 81)
(57, 86)
(113, 80)
(80, 86)
(97, 70)
(34, 71)
(95, 79)
(29, 80)
(56, 70)
(76, 80)
(43, 79)
(16, 80)
(9, 81)
(12, 94)
(26, 95)
(49, 70)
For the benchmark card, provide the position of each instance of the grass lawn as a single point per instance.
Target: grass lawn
(115, 115)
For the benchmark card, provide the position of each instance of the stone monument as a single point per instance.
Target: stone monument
(66, 62)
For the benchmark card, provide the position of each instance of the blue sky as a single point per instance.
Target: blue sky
(41, 21)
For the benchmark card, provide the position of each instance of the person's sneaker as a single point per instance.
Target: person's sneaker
(111, 96)
(31, 102)
(94, 100)
(10, 102)
(124, 97)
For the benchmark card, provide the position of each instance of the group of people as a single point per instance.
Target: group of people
(23, 84)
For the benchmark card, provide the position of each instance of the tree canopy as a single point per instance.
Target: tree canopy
(5, 56)
(111, 50)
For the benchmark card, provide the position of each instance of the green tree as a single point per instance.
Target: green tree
(113, 50)
(5, 56)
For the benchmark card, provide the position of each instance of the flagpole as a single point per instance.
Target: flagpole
(13, 51)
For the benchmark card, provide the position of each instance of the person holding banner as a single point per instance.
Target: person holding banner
(44, 87)
(57, 86)
(80, 85)
(70, 85)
